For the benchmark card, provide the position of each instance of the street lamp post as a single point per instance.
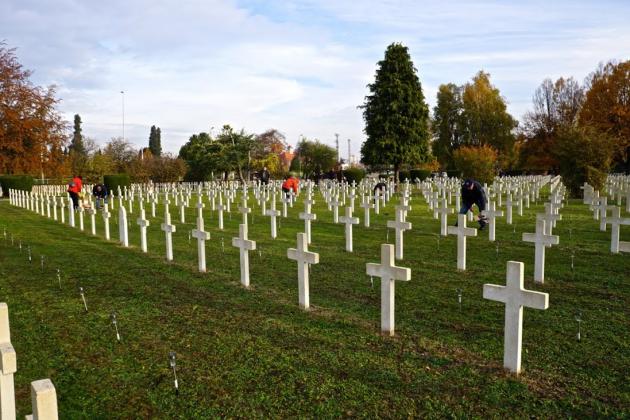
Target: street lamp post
(122, 92)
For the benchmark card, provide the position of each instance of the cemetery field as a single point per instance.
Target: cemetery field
(255, 353)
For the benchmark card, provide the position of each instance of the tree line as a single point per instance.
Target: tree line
(579, 131)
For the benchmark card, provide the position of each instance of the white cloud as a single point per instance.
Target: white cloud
(299, 66)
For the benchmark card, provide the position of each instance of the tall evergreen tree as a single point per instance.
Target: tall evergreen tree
(76, 150)
(395, 113)
(76, 145)
(155, 141)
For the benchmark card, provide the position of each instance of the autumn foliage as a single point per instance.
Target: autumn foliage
(477, 162)
(31, 131)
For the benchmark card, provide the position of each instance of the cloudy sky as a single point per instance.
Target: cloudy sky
(300, 66)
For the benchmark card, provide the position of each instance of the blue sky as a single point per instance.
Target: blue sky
(298, 66)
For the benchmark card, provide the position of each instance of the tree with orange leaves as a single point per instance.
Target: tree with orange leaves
(607, 108)
(31, 130)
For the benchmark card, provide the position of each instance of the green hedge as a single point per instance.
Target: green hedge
(16, 182)
(354, 174)
(112, 182)
(421, 174)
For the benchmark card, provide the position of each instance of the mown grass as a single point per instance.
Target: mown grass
(254, 353)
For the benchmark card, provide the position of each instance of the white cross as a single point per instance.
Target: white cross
(168, 229)
(515, 297)
(335, 203)
(92, 212)
(444, 211)
(221, 209)
(367, 205)
(244, 246)
(508, 208)
(462, 232)
(389, 273)
(307, 216)
(303, 258)
(8, 366)
(201, 236)
(143, 223)
(273, 213)
(106, 215)
(348, 220)
(122, 226)
(70, 212)
(400, 226)
(615, 221)
(43, 401)
(244, 210)
(492, 215)
(81, 210)
(540, 239)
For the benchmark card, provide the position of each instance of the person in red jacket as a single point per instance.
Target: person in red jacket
(290, 183)
(74, 188)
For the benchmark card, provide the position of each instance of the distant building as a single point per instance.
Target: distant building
(286, 156)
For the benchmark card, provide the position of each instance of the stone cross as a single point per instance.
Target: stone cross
(123, 233)
(221, 207)
(81, 225)
(168, 229)
(43, 401)
(244, 210)
(348, 220)
(389, 273)
(70, 213)
(615, 221)
(540, 239)
(335, 203)
(367, 205)
(462, 232)
(515, 297)
(492, 215)
(308, 217)
(106, 215)
(143, 223)
(244, 246)
(182, 210)
(201, 236)
(376, 201)
(508, 209)
(444, 211)
(8, 366)
(303, 257)
(400, 226)
(92, 212)
(273, 214)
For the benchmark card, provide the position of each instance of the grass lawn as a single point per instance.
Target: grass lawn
(254, 353)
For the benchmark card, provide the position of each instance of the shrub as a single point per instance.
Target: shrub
(112, 182)
(476, 162)
(584, 155)
(421, 174)
(354, 174)
(15, 182)
(403, 176)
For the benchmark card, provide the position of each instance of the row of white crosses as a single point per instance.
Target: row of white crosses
(600, 207)
(43, 393)
(386, 270)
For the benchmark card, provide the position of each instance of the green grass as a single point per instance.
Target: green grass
(254, 353)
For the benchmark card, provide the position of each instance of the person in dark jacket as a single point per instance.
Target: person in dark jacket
(264, 176)
(99, 191)
(473, 194)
